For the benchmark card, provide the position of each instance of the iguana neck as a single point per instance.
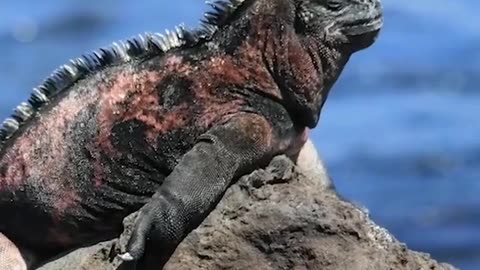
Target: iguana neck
(304, 69)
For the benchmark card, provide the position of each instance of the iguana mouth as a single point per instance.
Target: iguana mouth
(363, 26)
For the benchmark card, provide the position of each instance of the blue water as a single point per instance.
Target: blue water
(400, 132)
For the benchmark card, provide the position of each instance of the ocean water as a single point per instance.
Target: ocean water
(400, 133)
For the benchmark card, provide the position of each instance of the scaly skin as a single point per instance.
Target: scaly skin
(168, 134)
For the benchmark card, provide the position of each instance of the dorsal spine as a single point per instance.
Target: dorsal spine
(148, 44)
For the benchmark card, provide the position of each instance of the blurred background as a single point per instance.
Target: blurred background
(399, 134)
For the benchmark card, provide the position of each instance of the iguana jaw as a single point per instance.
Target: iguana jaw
(363, 32)
(363, 26)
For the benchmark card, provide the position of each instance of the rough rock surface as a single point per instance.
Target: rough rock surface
(283, 217)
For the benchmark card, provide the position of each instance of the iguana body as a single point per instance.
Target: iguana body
(166, 124)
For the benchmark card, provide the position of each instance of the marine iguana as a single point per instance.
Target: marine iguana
(165, 124)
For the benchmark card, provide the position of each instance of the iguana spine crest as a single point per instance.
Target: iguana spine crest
(145, 45)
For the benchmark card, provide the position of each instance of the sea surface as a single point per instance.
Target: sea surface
(400, 132)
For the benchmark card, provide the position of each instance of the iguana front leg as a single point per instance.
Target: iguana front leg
(11, 257)
(197, 183)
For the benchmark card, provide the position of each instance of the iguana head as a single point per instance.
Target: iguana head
(355, 23)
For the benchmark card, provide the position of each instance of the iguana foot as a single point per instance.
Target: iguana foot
(156, 230)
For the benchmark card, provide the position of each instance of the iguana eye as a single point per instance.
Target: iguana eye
(334, 5)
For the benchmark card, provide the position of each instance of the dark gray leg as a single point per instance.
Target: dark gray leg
(194, 187)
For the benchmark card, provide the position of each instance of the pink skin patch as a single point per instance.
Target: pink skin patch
(117, 106)
(40, 151)
(66, 200)
(14, 175)
(132, 95)
(174, 61)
